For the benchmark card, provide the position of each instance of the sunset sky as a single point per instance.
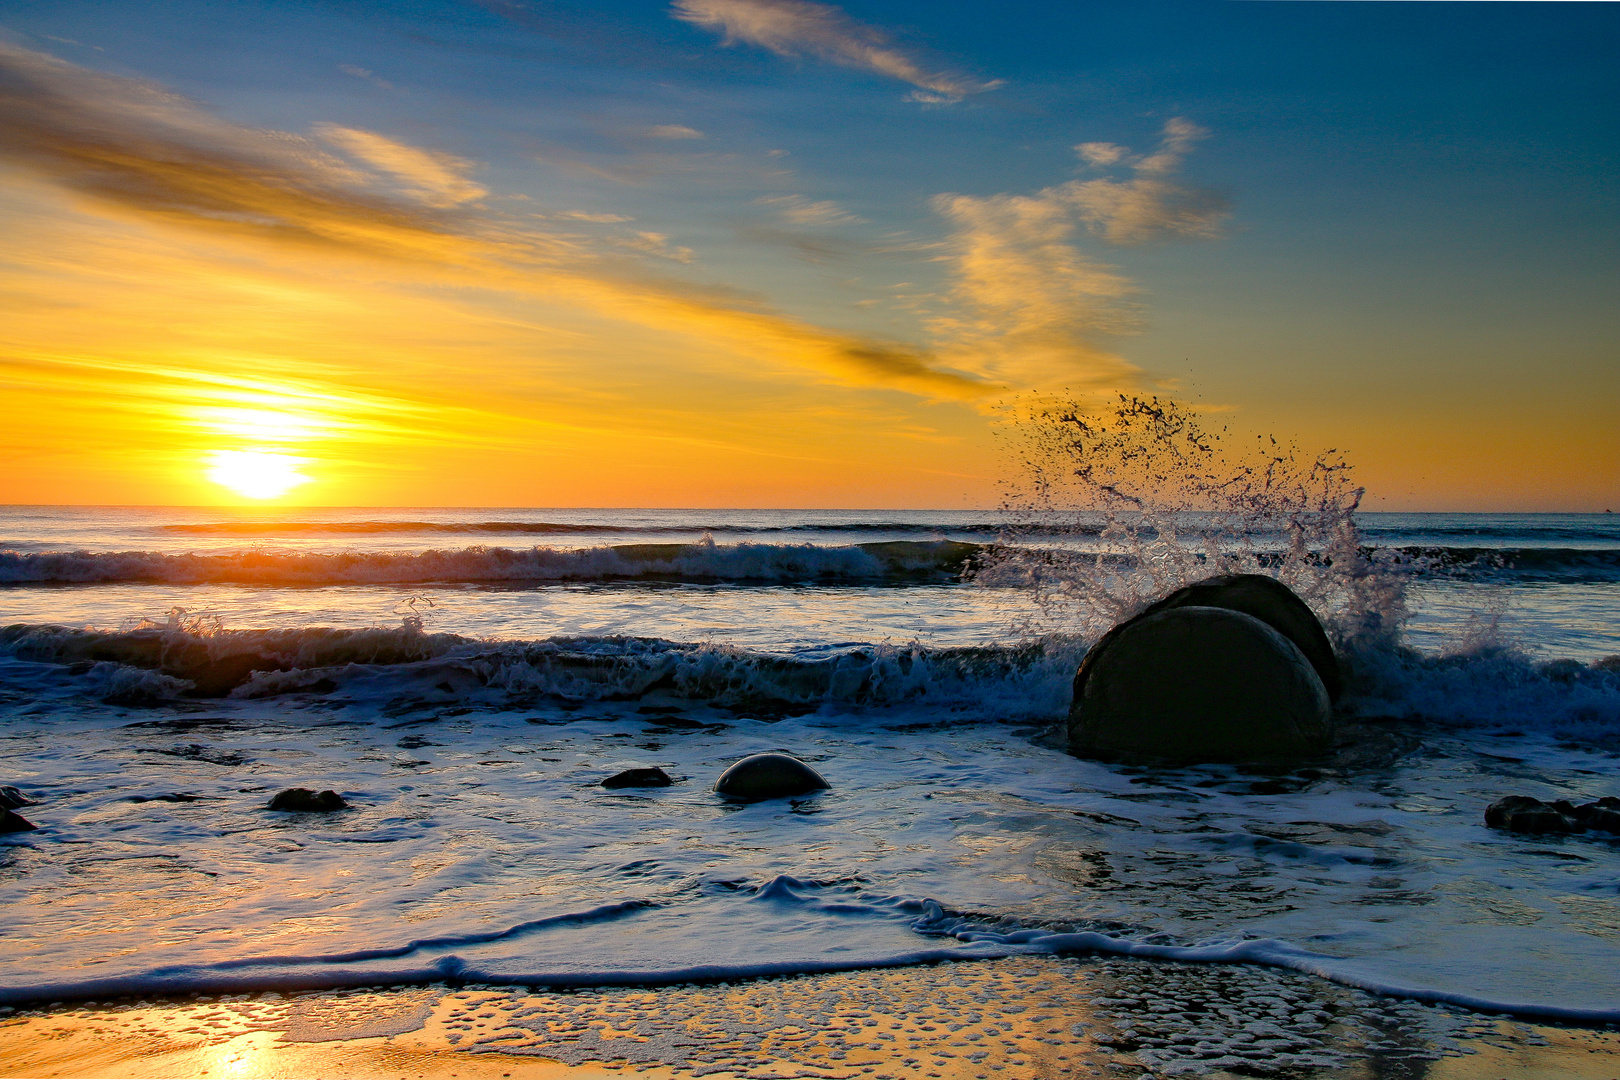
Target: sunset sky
(781, 253)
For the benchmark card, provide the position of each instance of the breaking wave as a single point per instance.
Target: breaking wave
(152, 664)
(545, 528)
(898, 562)
(893, 562)
(1487, 686)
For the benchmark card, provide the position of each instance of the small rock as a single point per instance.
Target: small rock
(12, 799)
(769, 776)
(1520, 813)
(303, 800)
(11, 822)
(1600, 816)
(654, 777)
(177, 796)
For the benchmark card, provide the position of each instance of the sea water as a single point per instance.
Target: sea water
(466, 679)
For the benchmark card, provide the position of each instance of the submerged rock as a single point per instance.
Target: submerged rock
(12, 799)
(769, 776)
(1600, 816)
(14, 822)
(1192, 684)
(303, 800)
(653, 777)
(1521, 813)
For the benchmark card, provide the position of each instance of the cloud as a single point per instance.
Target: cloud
(1030, 305)
(795, 27)
(1101, 154)
(1027, 302)
(674, 131)
(436, 179)
(131, 148)
(653, 243)
(1148, 207)
(358, 72)
(800, 210)
(600, 219)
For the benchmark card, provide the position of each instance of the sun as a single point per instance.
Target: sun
(256, 474)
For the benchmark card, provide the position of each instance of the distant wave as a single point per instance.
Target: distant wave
(900, 561)
(1514, 533)
(546, 528)
(1522, 563)
(887, 562)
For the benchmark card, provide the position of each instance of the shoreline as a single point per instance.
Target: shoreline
(963, 1020)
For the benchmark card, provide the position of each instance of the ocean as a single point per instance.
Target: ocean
(466, 678)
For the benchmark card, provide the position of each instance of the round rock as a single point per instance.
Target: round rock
(1268, 600)
(769, 776)
(1193, 684)
(299, 800)
(653, 777)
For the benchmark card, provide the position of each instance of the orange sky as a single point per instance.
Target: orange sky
(200, 309)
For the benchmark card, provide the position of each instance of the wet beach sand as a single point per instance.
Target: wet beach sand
(1027, 1016)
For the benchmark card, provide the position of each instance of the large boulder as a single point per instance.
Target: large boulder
(1266, 599)
(768, 776)
(1192, 683)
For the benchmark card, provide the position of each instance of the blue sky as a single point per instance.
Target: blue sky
(1392, 228)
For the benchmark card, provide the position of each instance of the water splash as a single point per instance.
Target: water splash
(1113, 509)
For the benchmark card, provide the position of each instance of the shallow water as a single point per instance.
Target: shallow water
(482, 846)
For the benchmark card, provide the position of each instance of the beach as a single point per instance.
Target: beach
(1022, 1017)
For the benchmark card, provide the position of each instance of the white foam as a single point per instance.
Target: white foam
(483, 849)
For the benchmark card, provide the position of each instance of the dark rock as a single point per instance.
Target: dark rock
(178, 796)
(216, 677)
(1520, 813)
(654, 777)
(1600, 816)
(769, 776)
(303, 800)
(13, 822)
(1255, 595)
(12, 799)
(1199, 684)
(1603, 821)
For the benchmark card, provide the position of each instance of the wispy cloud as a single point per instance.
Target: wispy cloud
(358, 72)
(801, 210)
(1029, 304)
(1149, 206)
(798, 27)
(131, 147)
(437, 179)
(673, 131)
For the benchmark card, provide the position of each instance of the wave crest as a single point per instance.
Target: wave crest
(898, 561)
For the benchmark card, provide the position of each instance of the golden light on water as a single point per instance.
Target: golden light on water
(257, 474)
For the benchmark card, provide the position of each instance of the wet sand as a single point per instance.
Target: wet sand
(1018, 1017)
